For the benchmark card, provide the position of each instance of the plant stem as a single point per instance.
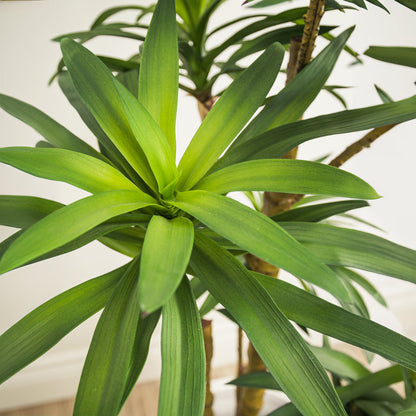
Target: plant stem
(300, 54)
(359, 145)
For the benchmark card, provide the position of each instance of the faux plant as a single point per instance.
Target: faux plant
(176, 222)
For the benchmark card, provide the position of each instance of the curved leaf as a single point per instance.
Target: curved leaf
(165, 255)
(22, 211)
(315, 313)
(182, 384)
(112, 11)
(289, 176)
(230, 113)
(158, 79)
(259, 235)
(277, 142)
(98, 89)
(398, 55)
(53, 132)
(83, 171)
(283, 350)
(319, 212)
(86, 35)
(344, 247)
(45, 326)
(68, 223)
(105, 372)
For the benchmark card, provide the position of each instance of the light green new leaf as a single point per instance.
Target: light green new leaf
(289, 176)
(344, 247)
(295, 98)
(339, 363)
(319, 212)
(315, 313)
(22, 211)
(45, 326)
(68, 223)
(182, 384)
(229, 115)
(259, 235)
(151, 140)
(280, 346)
(97, 88)
(277, 142)
(83, 171)
(105, 372)
(399, 55)
(165, 255)
(159, 74)
(53, 132)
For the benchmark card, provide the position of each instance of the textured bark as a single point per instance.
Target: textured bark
(360, 145)
(208, 344)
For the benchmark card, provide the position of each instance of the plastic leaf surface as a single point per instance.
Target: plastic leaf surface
(259, 235)
(165, 255)
(283, 350)
(182, 385)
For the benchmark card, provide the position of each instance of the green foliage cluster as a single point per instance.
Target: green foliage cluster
(176, 221)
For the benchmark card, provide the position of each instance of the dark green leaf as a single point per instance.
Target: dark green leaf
(399, 55)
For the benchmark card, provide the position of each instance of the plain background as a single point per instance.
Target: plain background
(27, 60)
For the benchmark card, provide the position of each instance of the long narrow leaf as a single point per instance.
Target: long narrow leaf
(282, 349)
(83, 171)
(295, 98)
(259, 235)
(289, 176)
(52, 131)
(105, 372)
(319, 212)
(68, 223)
(158, 82)
(393, 54)
(165, 255)
(22, 211)
(277, 142)
(182, 385)
(229, 115)
(351, 248)
(97, 88)
(317, 314)
(45, 326)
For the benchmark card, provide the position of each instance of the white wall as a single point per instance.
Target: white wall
(28, 58)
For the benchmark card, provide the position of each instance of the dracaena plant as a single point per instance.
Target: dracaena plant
(176, 222)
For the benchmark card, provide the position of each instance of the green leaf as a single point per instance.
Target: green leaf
(295, 98)
(383, 95)
(144, 332)
(344, 247)
(83, 171)
(98, 89)
(319, 212)
(83, 36)
(106, 145)
(152, 140)
(280, 346)
(52, 131)
(258, 380)
(361, 281)
(105, 372)
(230, 113)
(398, 55)
(259, 235)
(22, 211)
(289, 176)
(277, 142)
(112, 11)
(408, 3)
(319, 315)
(182, 385)
(158, 82)
(165, 255)
(45, 326)
(68, 223)
(209, 304)
(339, 363)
